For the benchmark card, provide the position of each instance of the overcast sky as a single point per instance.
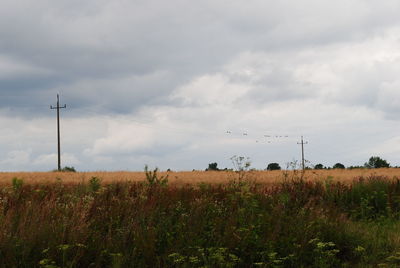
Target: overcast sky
(179, 84)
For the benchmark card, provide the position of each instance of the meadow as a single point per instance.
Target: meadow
(210, 219)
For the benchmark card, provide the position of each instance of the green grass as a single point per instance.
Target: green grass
(240, 224)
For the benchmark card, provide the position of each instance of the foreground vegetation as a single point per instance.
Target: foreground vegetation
(295, 223)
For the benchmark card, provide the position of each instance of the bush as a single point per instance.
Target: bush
(17, 183)
(153, 179)
(339, 166)
(319, 166)
(273, 166)
(212, 167)
(66, 169)
(69, 169)
(94, 184)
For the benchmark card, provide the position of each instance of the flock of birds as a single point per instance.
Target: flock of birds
(268, 138)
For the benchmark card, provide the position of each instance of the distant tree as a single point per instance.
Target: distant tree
(339, 166)
(273, 166)
(68, 169)
(355, 167)
(376, 162)
(212, 166)
(319, 166)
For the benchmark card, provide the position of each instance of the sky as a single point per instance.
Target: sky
(181, 84)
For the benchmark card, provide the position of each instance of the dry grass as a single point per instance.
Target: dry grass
(194, 177)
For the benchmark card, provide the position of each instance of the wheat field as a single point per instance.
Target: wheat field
(194, 177)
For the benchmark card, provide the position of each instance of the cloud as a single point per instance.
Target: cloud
(48, 160)
(12, 68)
(210, 90)
(103, 50)
(122, 138)
(145, 82)
(388, 99)
(16, 158)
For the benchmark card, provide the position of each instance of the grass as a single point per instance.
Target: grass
(240, 223)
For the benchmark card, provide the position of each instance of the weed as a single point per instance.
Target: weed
(17, 183)
(153, 179)
(241, 165)
(94, 184)
(294, 224)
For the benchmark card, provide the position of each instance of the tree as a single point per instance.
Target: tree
(273, 166)
(338, 165)
(376, 162)
(319, 166)
(212, 166)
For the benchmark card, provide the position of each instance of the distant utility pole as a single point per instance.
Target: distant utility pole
(58, 107)
(302, 152)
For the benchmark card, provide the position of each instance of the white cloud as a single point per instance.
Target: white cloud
(50, 159)
(13, 68)
(209, 90)
(122, 137)
(147, 83)
(16, 159)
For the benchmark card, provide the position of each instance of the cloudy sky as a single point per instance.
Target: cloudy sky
(178, 84)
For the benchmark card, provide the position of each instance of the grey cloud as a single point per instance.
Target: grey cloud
(199, 66)
(114, 40)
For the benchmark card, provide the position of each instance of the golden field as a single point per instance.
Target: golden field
(194, 177)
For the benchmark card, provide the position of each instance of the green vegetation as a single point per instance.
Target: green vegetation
(319, 166)
(66, 169)
(238, 224)
(376, 162)
(212, 167)
(338, 166)
(273, 166)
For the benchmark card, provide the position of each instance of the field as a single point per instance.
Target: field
(328, 218)
(194, 177)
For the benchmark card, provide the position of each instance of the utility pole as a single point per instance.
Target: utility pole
(58, 107)
(302, 152)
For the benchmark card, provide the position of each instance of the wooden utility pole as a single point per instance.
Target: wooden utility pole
(58, 107)
(302, 152)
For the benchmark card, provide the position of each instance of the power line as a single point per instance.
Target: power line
(58, 107)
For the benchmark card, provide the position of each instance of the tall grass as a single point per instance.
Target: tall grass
(296, 223)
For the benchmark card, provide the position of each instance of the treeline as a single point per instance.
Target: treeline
(373, 162)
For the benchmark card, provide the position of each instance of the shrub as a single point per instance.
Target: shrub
(65, 169)
(212, 167)
(319, 166)
(68, 169)
(17, 183)
(94, 184)
(153, 179)
(339, 166)
(273, 166)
